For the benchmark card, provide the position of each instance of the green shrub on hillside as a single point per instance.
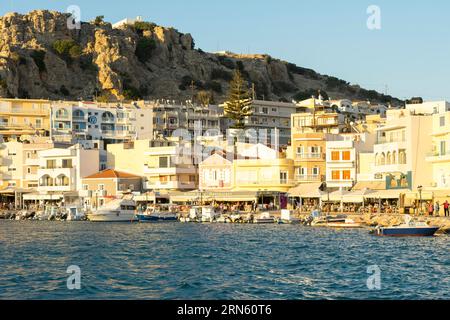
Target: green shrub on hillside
(144, 49)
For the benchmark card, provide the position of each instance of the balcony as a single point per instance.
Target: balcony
(438, 156)
(79, 119)
(311, 156)
(309, 178)
(32, 161)
(170, 171)
(170, 185)
(108, 120)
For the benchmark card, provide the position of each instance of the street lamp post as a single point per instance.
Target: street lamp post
(420, 188)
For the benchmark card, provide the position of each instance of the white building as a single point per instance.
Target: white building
(428, 107)
(342, 158)
(126, 22)
(401, 148)
(61, 170)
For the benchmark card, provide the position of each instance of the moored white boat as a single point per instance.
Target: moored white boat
(335, 222)
(121, 210)
(209, 214)
(287, 217)
(264, 218)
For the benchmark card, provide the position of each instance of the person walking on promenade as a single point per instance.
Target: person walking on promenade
(430, 208)
(446, 208)
(437, 208)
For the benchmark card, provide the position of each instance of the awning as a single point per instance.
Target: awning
(372, 185)
(52, 196)
(231, 196)
(385, 194)
(151, 196)
(343, 196)
(426, 195)
(13, 191)
(307, 190)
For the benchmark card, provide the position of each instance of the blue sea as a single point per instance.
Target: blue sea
(217, 261)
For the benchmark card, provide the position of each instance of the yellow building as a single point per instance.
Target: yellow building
(24, 117)
(310, 132)
(159, 161)
(272, 175)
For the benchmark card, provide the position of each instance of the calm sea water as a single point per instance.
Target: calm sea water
(218, 261)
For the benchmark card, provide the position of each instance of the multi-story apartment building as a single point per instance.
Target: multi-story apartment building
(439, 154)
(160, 162)
(81, 121)
(428, 107)
(401, 148)
(24, 117)
(272, 116)
(343, 158)
(169, 116)
(19, 162)
(61, 171)
(115, 123)
(310, 133)
(254, 168)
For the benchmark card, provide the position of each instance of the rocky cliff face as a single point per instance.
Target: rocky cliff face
(40, 57)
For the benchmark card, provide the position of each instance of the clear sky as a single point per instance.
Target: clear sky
(408, 56)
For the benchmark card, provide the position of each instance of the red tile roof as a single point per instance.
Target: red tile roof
(111, 174)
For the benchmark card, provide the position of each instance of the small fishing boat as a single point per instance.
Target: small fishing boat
(335, 222)
(195, 214)
(209, 214)
(75, 214)
(264, 218)
(407, 229)
(159, 213)
(287, 218)
(121, 210)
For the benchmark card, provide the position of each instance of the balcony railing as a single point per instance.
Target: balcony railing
(438, 154)
(314, 178)
(383, 140)
(313, 155)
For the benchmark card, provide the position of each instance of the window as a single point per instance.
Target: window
(346, 175)
(346, 155)
(29, 170)
(402, 157)
(85, 187)
(335, 175)
(302, 171)
(315, 171)
(274, 110)
(442, 121)
(315, 150)
(300, 150)
(335, 155)
(283, 177)
(164, 162)
(51, 164)
(443, 148)
(265, 110)
(101, 187)
(38, 123)
(67, 163)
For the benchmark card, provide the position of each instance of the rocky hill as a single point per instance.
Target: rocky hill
(40, 57)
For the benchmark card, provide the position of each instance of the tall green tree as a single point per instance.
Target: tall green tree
(239, 103)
